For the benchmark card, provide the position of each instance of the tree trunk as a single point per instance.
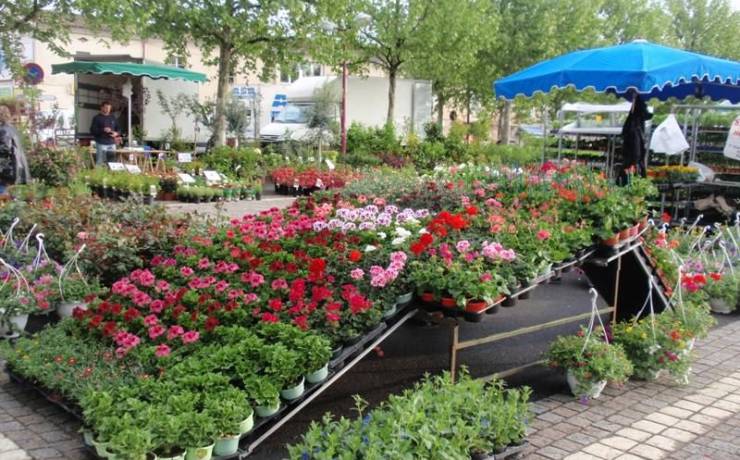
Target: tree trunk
(441, 113)
(391, 94)
(224, 70)
(506, 125)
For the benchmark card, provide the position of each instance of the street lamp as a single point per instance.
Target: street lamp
(359, 20)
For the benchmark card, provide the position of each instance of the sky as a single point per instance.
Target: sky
(735, 5)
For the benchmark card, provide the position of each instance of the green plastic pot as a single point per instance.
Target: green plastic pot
(199, 453)
(390, 312)
(405, 298)
(267, 411)
(227, 445)
(175, 457)
(295, 392)
(101, 448)
(247, 424)
(319, 375)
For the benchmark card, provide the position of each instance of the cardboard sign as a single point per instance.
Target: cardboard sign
(133, 169)
(212, 176)
(732, 147)
(184, 157)
(114, 166)
(186, 178)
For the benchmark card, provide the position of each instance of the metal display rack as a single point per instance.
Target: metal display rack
(633, 246)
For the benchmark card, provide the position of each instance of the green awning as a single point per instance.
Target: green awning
(154, 71)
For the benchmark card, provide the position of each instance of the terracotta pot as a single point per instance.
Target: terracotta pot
(634, 230)
(448, 302)
(475, 306)
(624, 234)
(642, 225)
(611, 241)
(427, 297)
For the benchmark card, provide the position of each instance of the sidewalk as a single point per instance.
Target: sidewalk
(639, 421)
(652, 420)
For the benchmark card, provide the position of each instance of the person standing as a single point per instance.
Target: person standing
(634, 151)
(13, 164)
(104, 129)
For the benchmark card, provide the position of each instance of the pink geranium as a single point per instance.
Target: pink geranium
(156, 331)
(174, 331)
(190, 337)
(357, 274)
(542, 235)
(186, 272)
(162, 350)
(151, 320)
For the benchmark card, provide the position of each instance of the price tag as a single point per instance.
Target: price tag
(116, 166)
(186, 178)
(184, 157)
(133, 169)
(212, 176)
(329, 164)
(132, 157)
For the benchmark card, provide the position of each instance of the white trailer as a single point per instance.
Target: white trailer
(367, 104)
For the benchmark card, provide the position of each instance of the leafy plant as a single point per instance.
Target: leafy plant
(590, 359)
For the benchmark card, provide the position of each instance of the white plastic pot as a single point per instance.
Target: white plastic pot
(18, 325)
(593, 391)
(65, 309)
(720, 306)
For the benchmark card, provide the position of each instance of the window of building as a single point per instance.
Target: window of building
(177, 61)
(299, 71)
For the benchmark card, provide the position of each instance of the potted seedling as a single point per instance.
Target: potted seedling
(131, 443)
(317, 352)
(199, 431)
(227, 408)
(16, 303)
(265, 396)
(723, 292)
(590, 362)
(166, 430)
(283, 366)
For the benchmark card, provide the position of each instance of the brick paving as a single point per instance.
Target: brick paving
(651, 421)
(641, 420)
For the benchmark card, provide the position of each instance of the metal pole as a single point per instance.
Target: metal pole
(345, 74)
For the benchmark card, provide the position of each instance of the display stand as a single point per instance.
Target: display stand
(605, 267)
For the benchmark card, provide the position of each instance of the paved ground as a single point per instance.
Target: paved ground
(231, 208)
(652, 420)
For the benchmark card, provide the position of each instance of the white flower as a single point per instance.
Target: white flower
(423, 231)
(382, 235)
(370, 248)
(398, 241)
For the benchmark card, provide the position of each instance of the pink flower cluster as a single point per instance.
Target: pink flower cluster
(381, 277)
(125, 341)
(496, 251)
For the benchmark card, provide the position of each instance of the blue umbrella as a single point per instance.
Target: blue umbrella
(652, 70)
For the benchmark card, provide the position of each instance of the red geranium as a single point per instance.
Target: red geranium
(355, 255)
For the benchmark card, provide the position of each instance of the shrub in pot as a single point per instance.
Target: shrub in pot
(316, 351)
(590, 362)
(283, 368)
(198, 434)
(227, 409)
(264, 395)
(166, 428)
(131, 443)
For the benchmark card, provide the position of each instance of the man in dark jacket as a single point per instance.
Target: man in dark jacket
(634, 151)
(105, 130)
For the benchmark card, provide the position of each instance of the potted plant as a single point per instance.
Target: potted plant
(73, 292)
(166, 428)
(282, 367)
(199, 431)
(265, 396)
(317, 351)
(655, 346)
(723, 292)
(131, 443)
(227, 408)
(167, 188)
(589, 362)
(16, 303)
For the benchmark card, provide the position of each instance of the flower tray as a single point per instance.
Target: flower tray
(511, 452)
